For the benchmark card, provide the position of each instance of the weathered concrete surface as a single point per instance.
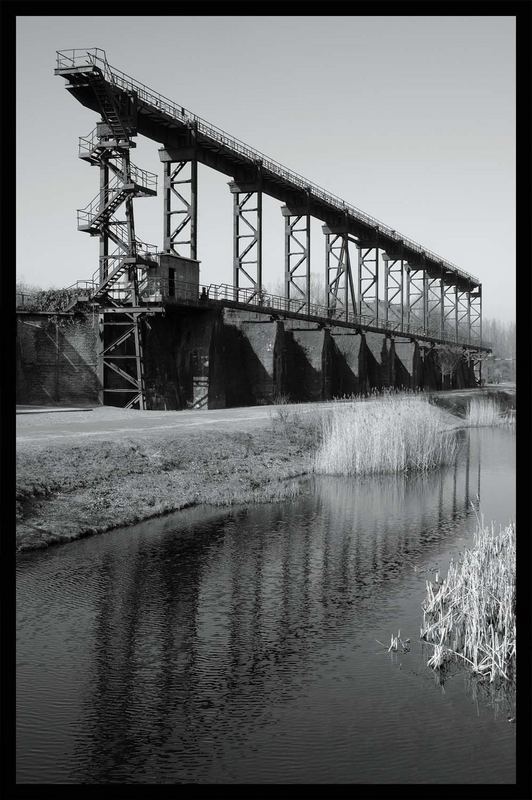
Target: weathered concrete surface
(377, 360)
(408, 364)
(431, 373)
(177, 359)
(264, 359)
(309, 355)
(56, 358)
(349, 363)
(222, 358)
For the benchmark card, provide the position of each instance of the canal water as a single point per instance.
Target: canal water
(241, 646)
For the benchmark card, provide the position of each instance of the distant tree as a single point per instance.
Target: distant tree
(500, 366)
(449, 358)
(318, 294)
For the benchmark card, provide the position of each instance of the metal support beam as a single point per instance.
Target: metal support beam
(368, 281)
(247, 237)
(340, 286)
(297, 258)
(415, 298)
(181, 208)
(448, 311)
(394, 278)
(475, 315)
(434, 305)
(462, 316)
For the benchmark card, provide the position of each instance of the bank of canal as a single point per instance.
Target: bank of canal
(76, 485)
(239, 645)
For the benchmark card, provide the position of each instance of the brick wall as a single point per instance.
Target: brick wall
(56, 359)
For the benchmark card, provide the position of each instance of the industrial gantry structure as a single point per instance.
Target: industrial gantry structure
(376, 279)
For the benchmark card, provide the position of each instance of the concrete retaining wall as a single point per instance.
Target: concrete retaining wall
(349, 367)
(56, 359)
(218, 358)
(408, 365)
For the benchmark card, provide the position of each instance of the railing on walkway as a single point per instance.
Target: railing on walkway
(154, 289)
(95, 57)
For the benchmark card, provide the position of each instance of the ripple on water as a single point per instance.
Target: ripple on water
(240, 646)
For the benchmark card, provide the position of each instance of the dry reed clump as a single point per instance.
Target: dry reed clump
(486, 411)
(391, 435)
(471, 614)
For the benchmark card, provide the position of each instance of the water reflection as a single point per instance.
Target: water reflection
(198, 643)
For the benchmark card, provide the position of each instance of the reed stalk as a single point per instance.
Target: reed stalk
(486, 412)
(396, 434)
(470, 615)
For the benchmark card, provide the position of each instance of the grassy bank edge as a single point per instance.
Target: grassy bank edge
(69, 492)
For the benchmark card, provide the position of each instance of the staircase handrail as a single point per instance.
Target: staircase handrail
(99, 202)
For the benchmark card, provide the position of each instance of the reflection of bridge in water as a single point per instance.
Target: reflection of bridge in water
(391, 305)
(199, 634)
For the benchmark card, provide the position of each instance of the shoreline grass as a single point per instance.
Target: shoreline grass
(487, 412)
(392, 435)
(470, 615)
(65, 491)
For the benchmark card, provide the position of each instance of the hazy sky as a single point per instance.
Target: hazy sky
(411, 119)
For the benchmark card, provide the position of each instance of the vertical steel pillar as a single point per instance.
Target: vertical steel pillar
(442, 302)
(425, 294)
(462, 315)
(394, 288)
(448, 311)
(456, 313)
(368, 280)
(475, 315)
(434, 304)
(297, 258)
(340, 287)
(180, 210)
(247, 239)
(415, 298)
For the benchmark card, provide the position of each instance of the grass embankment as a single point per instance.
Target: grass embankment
(66, 491)
(470, 615)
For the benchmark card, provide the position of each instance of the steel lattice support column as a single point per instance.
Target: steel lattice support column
(180, 210)
(394, 279)
(368, 280)
(339, 282)
(247, 237)
(448, 311)
(297, 257)
(462, 315)
(475, 315)
(434, 286)
(416, 299)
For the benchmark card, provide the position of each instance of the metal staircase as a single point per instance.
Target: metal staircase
(123, 269)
